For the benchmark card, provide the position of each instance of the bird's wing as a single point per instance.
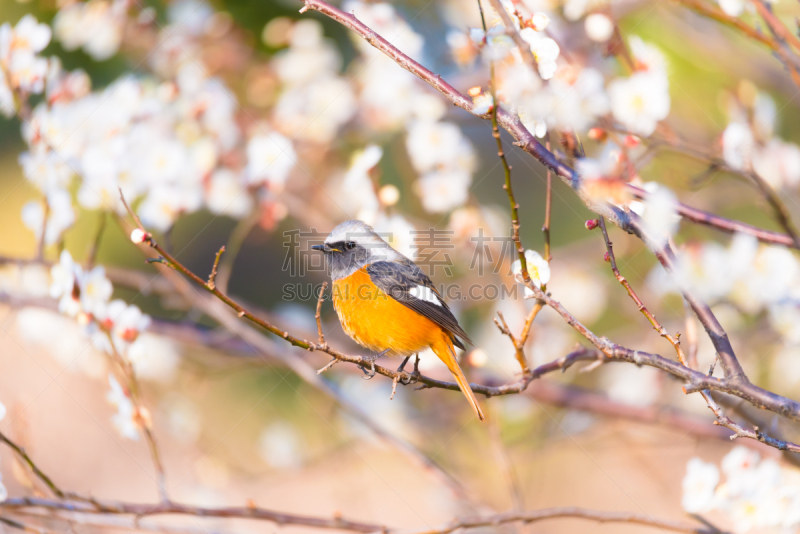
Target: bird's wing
(407, 284)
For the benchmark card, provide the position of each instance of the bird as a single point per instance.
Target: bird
(387, 304)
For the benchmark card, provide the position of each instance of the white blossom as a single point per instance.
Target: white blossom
(270, 158)
(125, 420)
(778, 162)
(154, 358)
(59, 212)
(434, 145)
(699, 486)
(658, 213)
(65, 275)
(545, 50)
(96, 26)
(734, 8)
(599, 27)
(227, 195)
(441, 191)
(640, 101)
(737, 146)
(538, 269)
(567, 104)
(95, 290)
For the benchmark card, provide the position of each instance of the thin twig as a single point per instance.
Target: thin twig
(673, 340)
(173, 508)
(547, 206)
(33, 467)
(97, 238)
(234, 247)
(500, 153)
(213, 276)
(318, 315)
(573, 512)
(144, 422)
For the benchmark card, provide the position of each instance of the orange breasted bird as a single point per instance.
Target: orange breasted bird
(387, 304)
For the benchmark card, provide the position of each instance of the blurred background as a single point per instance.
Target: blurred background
(246, 124)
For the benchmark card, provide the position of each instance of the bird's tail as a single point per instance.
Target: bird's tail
(444, 350)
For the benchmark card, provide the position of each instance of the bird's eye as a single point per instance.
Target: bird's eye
(350, 245)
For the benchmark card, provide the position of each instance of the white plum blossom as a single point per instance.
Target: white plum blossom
(441, 191)
(7, 105)
(28, 36)
(95, 290)
(699, 486)
(96, 26)
(227, 195)
(538, 269)
(640, 101)
(357, 186)
(754, 494)
(545, 50)
(124, 322)
(19, 48)
(165, 203)
(59, 212)
(658, 212)
(462, 47)
(734, 8)
(433, 144)
(314, 101)
(737, 146)
(778, 162)
(154, 358)
(566, 104)
(446, 160)
(270, 158)
(752, 276)
(65, 287)
(599, 27)
(648, 57)
(126, 418)
(482, 103)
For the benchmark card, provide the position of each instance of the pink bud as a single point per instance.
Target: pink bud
(631, 141)
(139, 236)
(606, 257)
(591, 224)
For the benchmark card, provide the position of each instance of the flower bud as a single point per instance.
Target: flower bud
(139, 236)
(598, 134)
(591, 224)
(606, 257)
(539, 21)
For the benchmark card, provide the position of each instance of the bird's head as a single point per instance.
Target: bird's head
(353, 245)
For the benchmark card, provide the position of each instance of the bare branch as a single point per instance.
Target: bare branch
(572, 512)
(212, 277)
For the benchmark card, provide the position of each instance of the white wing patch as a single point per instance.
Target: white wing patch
(426, 294)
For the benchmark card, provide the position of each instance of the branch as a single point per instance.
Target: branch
(674, 341)
(570, 512)
(216, 308)
(721, 223)
(174, 508)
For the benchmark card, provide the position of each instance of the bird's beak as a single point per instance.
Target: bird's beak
(325, 248)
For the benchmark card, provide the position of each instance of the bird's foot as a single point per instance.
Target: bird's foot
(414, 376)
(371, 360)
